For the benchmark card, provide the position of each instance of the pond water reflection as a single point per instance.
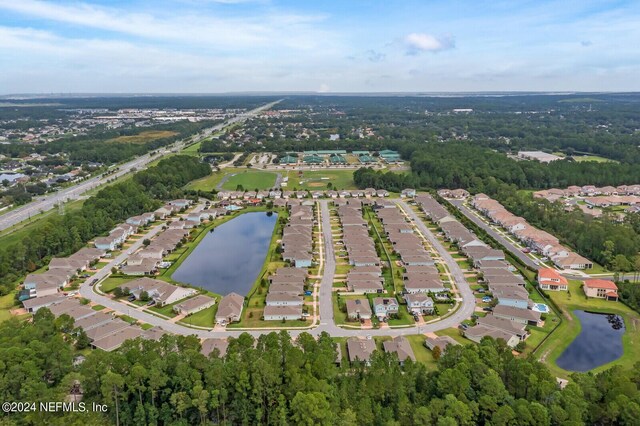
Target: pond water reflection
(599, 342)
(229, 258)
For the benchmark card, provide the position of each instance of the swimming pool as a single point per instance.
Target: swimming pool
(232, 207)
(540, 307)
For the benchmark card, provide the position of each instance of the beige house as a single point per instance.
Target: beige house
(601, 289)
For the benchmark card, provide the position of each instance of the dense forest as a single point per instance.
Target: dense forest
(63, 235)
(276, 380)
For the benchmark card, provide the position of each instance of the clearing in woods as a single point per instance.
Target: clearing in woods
(144, 137)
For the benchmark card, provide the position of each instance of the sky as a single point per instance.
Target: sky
(220, 46)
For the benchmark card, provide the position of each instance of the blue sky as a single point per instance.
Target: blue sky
(212, 46)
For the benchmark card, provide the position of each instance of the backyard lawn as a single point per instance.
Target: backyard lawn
(421, 352)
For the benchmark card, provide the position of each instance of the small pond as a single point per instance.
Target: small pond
(599, 342)
(229, 258)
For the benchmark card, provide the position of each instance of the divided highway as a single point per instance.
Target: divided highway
(43, 204)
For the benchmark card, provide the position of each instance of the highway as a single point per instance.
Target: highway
(43, 204)
(327, 323)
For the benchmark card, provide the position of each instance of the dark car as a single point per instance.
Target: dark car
(131, 298)
(487, 309)
(151, 303)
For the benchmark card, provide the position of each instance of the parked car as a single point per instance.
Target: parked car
(131, 298)
(151, 303)
(489, 309)
(463, 326)
(481, 290)
(486, 299)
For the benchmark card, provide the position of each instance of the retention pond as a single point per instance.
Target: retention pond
(599, 342)
(229, 258)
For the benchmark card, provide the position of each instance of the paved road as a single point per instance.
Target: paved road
(48, 202)
(465, 292)
(329, 271)
(515, 250)
(327, 323)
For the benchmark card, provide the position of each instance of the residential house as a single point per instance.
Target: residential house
(550, 279)
(214, 346)
(161, 292)
(283, 299)
(282, 312)
(478, 332)
(193, 305)
(229, 309)
(442, 342)
(383, 307)
(522, 316)
(401, 347)
(601, 289)
(419, 303)
(115, 340)
(360, 350)
(32, 305)
(358, 309)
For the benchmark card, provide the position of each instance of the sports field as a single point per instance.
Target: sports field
(316, 180)
(250, 180)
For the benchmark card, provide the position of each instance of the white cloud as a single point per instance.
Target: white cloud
(421, 42)
(209, 30)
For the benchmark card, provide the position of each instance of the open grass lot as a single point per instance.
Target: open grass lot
(210, 182)
(250, 180)
(318, 179)
(112, 282)
(144, 137)
(204, 318)
(7, 302)
(560, 339)
(595, 158)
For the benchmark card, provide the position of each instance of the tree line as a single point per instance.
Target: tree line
(63, 235)
(276, 380)
(606, 240)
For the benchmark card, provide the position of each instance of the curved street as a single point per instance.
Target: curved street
(327, 323)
